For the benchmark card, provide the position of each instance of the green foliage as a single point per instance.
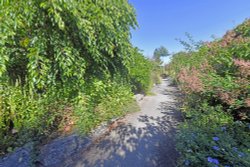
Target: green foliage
(218, 71)
(209, 135)
(160, 52)
(62, 41)
(190, 45)
(215, 80)
(73, 61)
(105, 100)
(185, 60)
(26, 116)
(156, 73)
(140, 70)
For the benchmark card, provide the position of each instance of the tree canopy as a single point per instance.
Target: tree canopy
(160, 52)
(44, 42)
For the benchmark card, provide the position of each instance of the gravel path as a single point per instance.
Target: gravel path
(145, 138)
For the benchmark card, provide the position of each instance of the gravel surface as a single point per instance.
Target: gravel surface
(142, 139)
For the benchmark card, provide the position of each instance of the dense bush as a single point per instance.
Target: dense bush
(140, 71)
(210, 137)
(215, 79)
(106, 100)
(64, 63)
(218, 71)
(26, 116)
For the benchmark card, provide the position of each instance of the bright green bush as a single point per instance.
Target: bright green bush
(140, 70)
(74, 62)
(105, 100)
(26, 116)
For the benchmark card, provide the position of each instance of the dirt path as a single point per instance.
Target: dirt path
(145, 139)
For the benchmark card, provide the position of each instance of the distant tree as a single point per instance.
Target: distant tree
(160, 52)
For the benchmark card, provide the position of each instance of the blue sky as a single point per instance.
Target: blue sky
(162, 21)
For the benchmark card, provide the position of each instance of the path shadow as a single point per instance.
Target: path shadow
(152, 145)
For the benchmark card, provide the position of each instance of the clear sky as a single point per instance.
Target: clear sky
(162, 21)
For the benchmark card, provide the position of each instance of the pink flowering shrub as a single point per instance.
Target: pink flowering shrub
(190, 80)
(247, 102)
(219, 71)
(216, 82)
(226, 97)
(244, 67)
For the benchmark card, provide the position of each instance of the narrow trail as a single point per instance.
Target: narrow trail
(146, 139)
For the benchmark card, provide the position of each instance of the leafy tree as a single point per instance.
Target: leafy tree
(58, 56)
(47, 42)
(160, 52)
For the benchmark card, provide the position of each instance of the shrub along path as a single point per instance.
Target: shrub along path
(145, 138)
